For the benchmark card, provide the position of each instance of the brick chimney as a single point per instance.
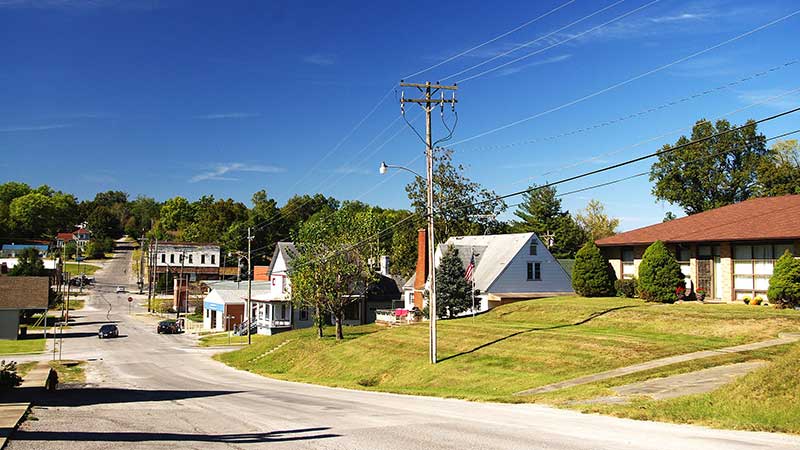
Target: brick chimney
(422, 267)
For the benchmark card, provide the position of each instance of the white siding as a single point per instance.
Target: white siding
(196, 252)
(514, 279)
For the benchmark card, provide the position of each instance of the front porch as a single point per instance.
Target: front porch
(272, 316)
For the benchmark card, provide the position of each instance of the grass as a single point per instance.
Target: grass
(195, 317)
(21, 346)
(75, 304)
(767, 399)
(25, 367)
(70, 372)
(220, 339)
(511, 348)
(74, 270)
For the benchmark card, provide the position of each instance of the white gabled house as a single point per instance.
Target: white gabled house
(508, 268)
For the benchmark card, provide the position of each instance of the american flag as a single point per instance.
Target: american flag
(470, 268)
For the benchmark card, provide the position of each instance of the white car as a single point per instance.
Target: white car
(120, 289)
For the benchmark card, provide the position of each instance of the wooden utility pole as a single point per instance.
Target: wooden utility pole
(428, 103)
(249, 287)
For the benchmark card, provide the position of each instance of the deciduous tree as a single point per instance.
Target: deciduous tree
(595, 222)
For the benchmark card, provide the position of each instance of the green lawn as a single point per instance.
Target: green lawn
(74, 270)
(70, 371)
(21, 346)
(217, 339)
(513, 347)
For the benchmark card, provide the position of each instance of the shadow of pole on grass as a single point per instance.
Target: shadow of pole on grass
(529, 330)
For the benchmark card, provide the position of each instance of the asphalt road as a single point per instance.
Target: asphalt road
(149, 391)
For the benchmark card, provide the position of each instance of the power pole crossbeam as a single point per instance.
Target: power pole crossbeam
(428, 103)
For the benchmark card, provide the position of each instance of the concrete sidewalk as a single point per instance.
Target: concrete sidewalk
(784, 338)
(11, 413)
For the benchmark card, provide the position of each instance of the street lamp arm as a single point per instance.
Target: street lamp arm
(385, 167)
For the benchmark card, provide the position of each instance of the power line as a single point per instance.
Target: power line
(642, 112)
(629, 80)
(634, 160)
(556, 44)
(494, 39)
(660, 136)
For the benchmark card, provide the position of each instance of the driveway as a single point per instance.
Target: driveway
(150, 391)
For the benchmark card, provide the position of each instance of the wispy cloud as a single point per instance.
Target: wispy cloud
(781, 103)
(21, 128)
(319, 59)
(232, 115)
(516, 69)
(219, 171)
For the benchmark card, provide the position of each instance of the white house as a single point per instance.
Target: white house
(224, 305)
(195, 261)
(508, 268)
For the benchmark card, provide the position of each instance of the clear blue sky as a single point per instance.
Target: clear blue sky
(168, 98)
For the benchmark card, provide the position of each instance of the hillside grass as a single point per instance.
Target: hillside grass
(511, 348)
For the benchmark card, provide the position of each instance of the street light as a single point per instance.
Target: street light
(431, 251)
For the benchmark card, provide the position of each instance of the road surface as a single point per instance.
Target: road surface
(149, 391)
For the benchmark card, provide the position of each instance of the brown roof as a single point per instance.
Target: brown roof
(24, 292)
(65, 236)
(769, 218)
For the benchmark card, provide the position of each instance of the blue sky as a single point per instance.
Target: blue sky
(187, 98)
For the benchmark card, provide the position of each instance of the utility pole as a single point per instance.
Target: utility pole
(141, 265)
(428, 103)
(249, 287)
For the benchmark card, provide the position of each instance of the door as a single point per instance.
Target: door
(708, 273)
(705, 276)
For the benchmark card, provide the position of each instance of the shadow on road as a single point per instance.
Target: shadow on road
(97, 396)
(239, 438)
(529, 330)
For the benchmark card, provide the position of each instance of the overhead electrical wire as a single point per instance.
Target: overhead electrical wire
(629, 80)
(494, 39)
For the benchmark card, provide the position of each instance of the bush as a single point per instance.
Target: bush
(659, 274)
(592, 276)
(626, 287)
(8, 375)
(784, 285)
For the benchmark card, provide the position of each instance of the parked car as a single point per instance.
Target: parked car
(120, 289)
(168, 327)
(108, 331)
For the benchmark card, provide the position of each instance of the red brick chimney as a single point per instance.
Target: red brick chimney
(422, 267)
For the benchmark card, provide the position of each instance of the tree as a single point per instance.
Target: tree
(453, 294)
(176, 213)
(669, 216)
(592, 276)
(30, 214)
(659, 274)
(594, 221)
(784, 285)
(104, 223)
(778, 173)
(540, 213)
(716, 172)
(332, 269)
(298, 209)
(454, 198)
(29, 264)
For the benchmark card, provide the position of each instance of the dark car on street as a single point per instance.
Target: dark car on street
(108, 331)
(168, 327)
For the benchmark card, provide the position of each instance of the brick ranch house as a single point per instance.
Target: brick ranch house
(730, 251)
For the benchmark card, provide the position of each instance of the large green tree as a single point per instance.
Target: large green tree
(718, 171)
(29, 264)
(540, 212)
(592, 276)
(778, 173)
(454, 199)
(453, 294)
(31, 214)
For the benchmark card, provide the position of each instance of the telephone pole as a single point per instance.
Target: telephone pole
(249, 287)
(428, 103)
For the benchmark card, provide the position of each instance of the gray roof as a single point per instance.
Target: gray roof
(232, 295)
(492, 254)
(24, 292)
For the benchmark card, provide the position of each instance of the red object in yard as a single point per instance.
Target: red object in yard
(130, 299)
(400, 312)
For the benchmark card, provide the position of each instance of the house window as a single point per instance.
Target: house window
(212, 259)
(684, 255)
(284, 310)
(202, 259)
(537, 271)
(627, 263)
(533, 247)
(172, 258)
(163, 257)
(303, 315)
(190, 259)
(752, 268)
